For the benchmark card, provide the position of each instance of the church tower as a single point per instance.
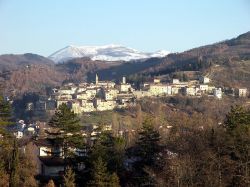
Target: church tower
(96, 79)
(123, 80)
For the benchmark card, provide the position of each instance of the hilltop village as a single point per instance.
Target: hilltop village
(107, 95)
(99, 96)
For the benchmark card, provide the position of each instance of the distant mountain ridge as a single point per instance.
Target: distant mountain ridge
(104, 53)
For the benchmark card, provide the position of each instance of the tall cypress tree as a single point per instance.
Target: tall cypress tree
(69, 178)
(99, 174)
(13, 182)
(114, 180)
(101, 177)
(8, 150)
(5, 114)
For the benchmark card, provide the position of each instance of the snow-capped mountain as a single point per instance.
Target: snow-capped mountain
(105, 53)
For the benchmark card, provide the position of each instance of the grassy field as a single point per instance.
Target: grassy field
(97, 117)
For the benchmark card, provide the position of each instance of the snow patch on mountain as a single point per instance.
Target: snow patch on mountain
(104, 53)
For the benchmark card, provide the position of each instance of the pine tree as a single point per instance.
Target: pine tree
(147, 145)
(146, 152)
(238, 117)
(110, 149)
(69, 126)
(237, 143)
(69, 178)
(66, 120)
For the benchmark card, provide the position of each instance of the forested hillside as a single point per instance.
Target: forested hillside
(226, 62)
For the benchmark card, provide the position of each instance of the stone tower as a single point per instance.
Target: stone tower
(124, 80)
(96, 79)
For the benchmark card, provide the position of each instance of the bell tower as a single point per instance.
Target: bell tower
(123, 80)
(96, 79)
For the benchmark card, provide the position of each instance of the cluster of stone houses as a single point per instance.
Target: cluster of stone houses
(107, 95)
(190, 88)
(49, 153)
(98, 96)
(21, 129)
(196, 88)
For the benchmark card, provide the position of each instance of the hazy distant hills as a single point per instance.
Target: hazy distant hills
(108, 53)
(20, 74)
(10, 61)
(227, 63)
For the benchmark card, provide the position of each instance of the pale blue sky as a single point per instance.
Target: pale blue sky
(44, 26)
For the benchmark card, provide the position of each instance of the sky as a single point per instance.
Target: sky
(45, 26)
